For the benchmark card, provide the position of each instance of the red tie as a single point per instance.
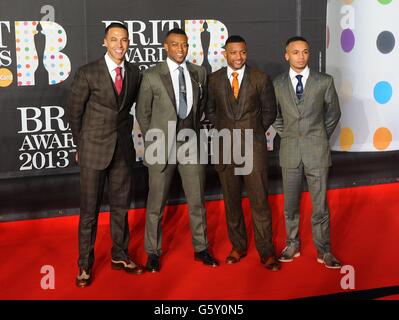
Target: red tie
(118, 80)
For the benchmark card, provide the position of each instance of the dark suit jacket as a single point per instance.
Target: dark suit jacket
(255, 109)
(156, 105)
(97, 120)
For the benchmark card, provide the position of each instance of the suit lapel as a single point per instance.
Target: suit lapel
(307, 93)
(106, 81)
(225, 85)
(195, 85)
(126, 82)
(166, 79)
(242, 93)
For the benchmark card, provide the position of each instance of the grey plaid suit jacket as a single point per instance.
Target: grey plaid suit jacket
(96, 118)
(306, 125)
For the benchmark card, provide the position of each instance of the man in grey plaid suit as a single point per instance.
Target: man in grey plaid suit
(99, 104)
(307, 114)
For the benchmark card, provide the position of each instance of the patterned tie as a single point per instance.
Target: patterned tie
(299, 87)
(118, 80)
(182, 94)
(235, 84)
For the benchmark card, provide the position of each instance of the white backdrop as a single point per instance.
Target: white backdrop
(362, 55)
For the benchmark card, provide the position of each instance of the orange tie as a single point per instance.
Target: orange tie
(235, 84)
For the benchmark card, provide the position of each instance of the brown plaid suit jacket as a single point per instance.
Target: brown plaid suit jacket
(255, 109)
(96, 118)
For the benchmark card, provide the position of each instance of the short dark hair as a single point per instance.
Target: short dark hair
(175, 31)
(234, 39)
(115, 25)
(296, 38)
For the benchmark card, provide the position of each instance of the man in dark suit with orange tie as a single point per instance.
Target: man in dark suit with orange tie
(99, 105)
(241, 97)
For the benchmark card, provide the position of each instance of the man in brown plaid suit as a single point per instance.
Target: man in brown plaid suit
(99, 104)
(247, 105)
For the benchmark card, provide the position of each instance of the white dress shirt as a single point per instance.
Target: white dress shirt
(111, 65)
(240, 75)
(305, 75)
(174, 72)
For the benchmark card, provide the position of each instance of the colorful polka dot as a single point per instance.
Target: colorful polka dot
(346, 88)
(346, 139)
(382, 138)
(382, 92)
(385, 1)
(385, 42)
(347, 40)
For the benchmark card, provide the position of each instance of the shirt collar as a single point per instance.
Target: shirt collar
(111, 65)
(305, 73)
(173, 65)
(239, 71)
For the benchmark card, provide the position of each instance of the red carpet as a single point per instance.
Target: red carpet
(364, 225)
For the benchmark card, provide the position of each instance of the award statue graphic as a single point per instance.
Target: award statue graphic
(39, 57)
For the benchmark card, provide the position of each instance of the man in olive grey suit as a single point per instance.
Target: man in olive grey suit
(172, 98)
(98, 108)
(307, 114)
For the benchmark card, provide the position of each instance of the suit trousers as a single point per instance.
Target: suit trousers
(317, 185)
(193, 182)
(256, 184)
(119, 177)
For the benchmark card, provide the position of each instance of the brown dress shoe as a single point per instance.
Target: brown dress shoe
(271, 263)
(235, 256)
(84, 278)
(127, 265)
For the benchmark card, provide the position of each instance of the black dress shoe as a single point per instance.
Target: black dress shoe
(329, 260)
(206, 258)
(84, 278)
(153, 263)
